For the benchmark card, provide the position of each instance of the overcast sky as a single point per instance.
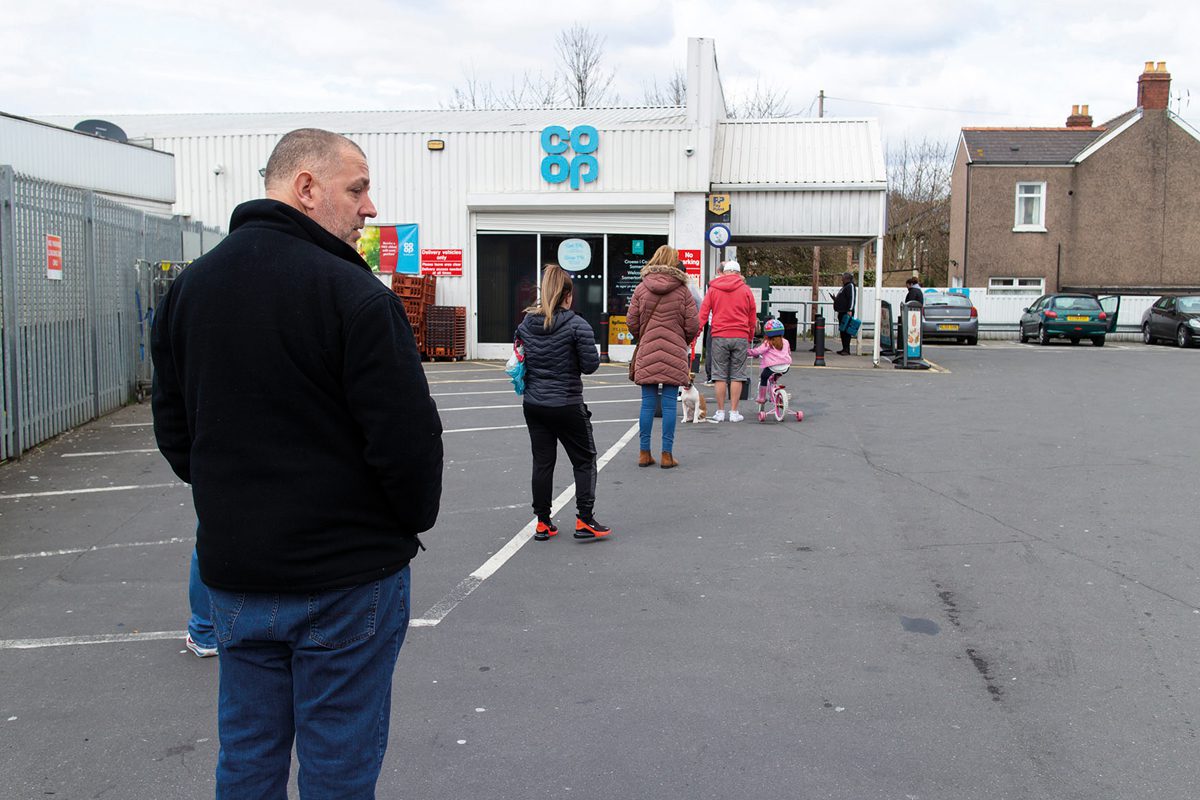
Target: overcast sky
(925, 69)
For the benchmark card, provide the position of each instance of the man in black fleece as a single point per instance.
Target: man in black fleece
(289, 392)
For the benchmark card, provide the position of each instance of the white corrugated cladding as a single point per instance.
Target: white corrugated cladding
(645, 222)
(823, 153)
(640, 149)
(122, 171)
(810, 178)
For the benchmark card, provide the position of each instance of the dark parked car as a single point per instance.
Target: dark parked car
(949, 316)
(1068, 316)
(1175, 319)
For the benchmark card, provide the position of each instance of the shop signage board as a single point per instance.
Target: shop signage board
(691, 262)
(912, 332)
(54, 265)
(391, 248)
(618, 331)
(582, 167)
(443, 263)
(719, 235)
(719, 205)
(574, 255)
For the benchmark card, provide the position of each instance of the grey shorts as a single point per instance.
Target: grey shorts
(729, 359)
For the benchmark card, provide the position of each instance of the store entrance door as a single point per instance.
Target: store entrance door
(583, 258)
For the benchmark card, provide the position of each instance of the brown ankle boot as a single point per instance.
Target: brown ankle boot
(645, 459)
(668, 460)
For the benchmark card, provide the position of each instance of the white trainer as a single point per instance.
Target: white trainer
(719, 416)
(735, 416)
(200, 650)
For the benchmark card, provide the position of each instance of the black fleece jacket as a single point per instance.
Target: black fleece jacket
(289, 392)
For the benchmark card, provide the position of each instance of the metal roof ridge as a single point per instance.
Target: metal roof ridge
(681, 109)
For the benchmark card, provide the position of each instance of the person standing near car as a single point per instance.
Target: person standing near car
(915, 293)
(843, 306)
(734, 316)
(288, 391)
(560, 348)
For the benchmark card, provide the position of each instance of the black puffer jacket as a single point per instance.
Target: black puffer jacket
(555, 359)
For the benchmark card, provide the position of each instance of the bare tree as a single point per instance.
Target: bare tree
(529, 91)
(764, 102)
(918, 238)
(581, 56)
(474, 94)
(674, 93)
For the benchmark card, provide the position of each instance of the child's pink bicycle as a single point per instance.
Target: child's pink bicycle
(777, 397)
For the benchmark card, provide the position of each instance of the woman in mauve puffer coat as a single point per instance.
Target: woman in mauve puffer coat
(662, 319)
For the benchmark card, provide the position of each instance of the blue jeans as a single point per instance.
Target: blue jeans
(670, 411)
(200, 626)
(316, 667)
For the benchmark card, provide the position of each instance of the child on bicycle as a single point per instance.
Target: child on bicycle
(774, 351)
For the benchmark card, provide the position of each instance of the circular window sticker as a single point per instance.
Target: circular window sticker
(574, 255)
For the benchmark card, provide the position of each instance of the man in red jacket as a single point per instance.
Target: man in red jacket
(734, 315)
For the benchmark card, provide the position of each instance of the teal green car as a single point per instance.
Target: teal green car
(1066, 316)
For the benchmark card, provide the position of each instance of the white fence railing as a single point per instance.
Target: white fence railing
(997, 312)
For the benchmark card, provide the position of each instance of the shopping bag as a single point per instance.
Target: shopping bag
(850, 325)
(516, 367)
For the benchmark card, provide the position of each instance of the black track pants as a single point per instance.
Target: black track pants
(571, 425)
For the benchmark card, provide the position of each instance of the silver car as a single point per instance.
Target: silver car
(949, 316)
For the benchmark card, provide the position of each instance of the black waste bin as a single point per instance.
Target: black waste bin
(791, 324)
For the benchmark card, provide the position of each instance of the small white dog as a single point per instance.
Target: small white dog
(694, 408)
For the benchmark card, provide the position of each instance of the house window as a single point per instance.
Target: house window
(1016, 285)
(1031, 207)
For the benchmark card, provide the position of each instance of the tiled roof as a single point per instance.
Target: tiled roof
(1027, 145)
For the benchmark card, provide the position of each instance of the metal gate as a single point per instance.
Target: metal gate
(71, 348)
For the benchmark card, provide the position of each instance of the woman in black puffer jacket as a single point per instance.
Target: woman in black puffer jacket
(559, 349)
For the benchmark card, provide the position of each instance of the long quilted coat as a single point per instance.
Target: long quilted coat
(556, 358)
(664, 333)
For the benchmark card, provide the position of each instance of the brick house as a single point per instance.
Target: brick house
(1098, 208)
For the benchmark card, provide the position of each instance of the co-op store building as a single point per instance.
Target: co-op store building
(507, 189)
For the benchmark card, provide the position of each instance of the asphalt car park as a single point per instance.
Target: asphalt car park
(979, 582)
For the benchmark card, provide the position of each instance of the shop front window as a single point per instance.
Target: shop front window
(627, 254)
(605, 269)
(583, 258)
(507, 282)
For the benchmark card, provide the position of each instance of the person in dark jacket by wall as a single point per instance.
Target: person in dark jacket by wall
(914, 291)
(843, 305)
(289, 393)
(560, 348)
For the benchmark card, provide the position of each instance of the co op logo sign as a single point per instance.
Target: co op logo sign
(583, 168)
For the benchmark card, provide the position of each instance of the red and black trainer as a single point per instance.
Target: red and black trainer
(545, 529)
(590, 529)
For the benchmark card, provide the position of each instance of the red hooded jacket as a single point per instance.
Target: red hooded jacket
(731, 302)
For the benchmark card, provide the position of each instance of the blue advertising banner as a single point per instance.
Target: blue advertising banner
(408, 258)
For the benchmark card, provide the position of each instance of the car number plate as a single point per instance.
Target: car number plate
(947, 327)
(1079, 319)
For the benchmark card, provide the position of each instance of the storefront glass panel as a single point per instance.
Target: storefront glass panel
(507, 282)
(583, 257)
(627, 254)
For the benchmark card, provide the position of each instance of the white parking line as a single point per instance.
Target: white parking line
(23, 495)
(598, 388)
(95, 548)
(131, 424)
(518, 405)
(514, 427)
(472, 582)
(109, 453)
(102, 638)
